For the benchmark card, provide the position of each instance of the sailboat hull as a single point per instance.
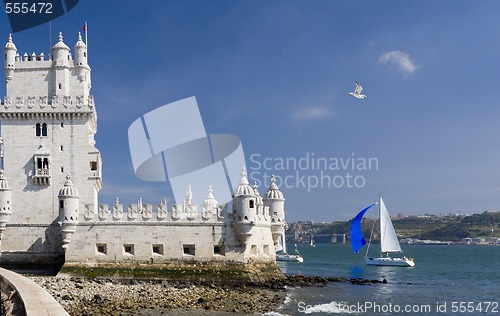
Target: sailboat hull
(289, 258)
(398, 262)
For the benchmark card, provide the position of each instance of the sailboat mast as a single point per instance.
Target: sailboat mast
(380, 223)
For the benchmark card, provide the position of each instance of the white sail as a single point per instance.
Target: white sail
(279, 247)
(283, 241)
(388, 239)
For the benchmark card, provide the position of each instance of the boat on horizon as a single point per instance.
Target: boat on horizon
(312, 244)
(389, 243)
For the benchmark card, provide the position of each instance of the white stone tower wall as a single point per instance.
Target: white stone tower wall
(74, 158)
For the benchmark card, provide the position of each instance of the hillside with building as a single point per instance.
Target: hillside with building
(477, 228)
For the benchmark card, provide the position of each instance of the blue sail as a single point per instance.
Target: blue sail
(357, 238)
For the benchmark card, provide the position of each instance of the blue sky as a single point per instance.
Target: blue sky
(277, 75)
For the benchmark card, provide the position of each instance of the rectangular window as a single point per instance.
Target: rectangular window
(189, 249)
(128, 249)
(253, 250)
(101, 249)
(219, 250)
(61, 148)
(93, 166)
(158, 249)
(266, 250)
(61, 204)
(62, 124)
(62, 169)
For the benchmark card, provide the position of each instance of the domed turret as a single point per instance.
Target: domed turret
(210, 202)
(60, 52)
(10, 52)
(68, 190)
(275, 201)
(274, 192)
(81, 61)
(5, 204)
(68, 210)
(243, 188)
(244, 208)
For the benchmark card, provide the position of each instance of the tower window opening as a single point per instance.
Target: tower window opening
(219, 250)
(158, 249)
(62, 124)
(45, 163)
(62, 169)
(102, 249)
(251, 204)
(84, 54)
(61, 148)
(59, 86)
(38, 129)
(44, 129)
(128, 249)
(39, 163)
(93, 166)
(189, 249)
(61, 204)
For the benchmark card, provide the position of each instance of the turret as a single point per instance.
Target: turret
(244, 208)
(81, 63)
(61, 56)
(10, 52)
(68, 211)
(61, 52)
(275, 201)
(244, 202)
(5, 204)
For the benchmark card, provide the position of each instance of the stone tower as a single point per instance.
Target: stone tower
(48, 123)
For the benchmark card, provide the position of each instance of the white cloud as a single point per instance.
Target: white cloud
(401, 60)
(311, 113)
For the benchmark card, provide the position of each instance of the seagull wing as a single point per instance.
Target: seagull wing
(358, 89)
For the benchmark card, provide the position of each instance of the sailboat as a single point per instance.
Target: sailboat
(312, 242)
(389, 242)
(283, 255)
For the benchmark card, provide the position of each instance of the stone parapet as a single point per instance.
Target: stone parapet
(44, 104)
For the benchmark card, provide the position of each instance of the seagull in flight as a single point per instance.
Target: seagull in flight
(357, 92)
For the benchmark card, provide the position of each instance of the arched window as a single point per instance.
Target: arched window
(45, 163)
(38, 130)
(250, 204)
(39, 163)
(44, 129)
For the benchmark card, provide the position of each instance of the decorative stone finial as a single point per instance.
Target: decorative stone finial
(210, 192)
(60, 37)
(244, 180)
(273, 185)
(189, 195)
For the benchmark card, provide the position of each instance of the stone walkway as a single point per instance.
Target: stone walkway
(37, 302)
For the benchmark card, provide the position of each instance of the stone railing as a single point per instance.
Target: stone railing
(44, 104)
(145, 213)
